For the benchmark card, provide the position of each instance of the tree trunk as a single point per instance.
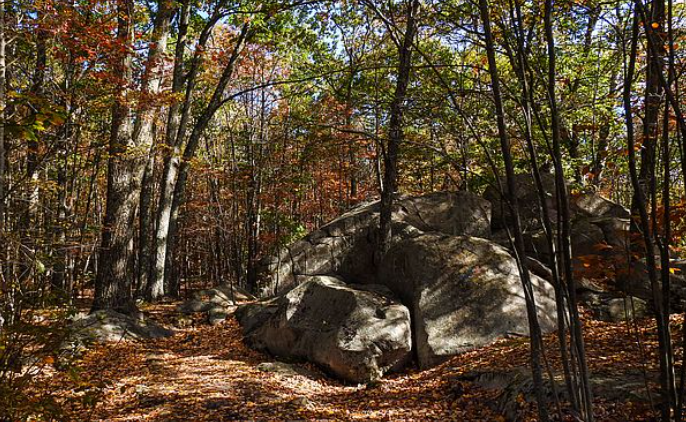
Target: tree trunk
(644, 225)
(653, 102)
(130, 144)
(28, 226)
(4, 251)
(177, 123)
(143, 133)
(518, 241)
(145, 222)
(586, 395)
(173, 199)
(521, 65)
(58, 276)
(395, 128)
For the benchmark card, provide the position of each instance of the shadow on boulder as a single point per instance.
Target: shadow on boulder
(357, 333)
(110, 326)
(463, 292)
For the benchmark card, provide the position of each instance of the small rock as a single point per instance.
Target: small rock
(142, 389)
(108, 325)
(279, 368)
(611, 308)
(194, 305)
(622, 308)
(302, 402)
(217, 315)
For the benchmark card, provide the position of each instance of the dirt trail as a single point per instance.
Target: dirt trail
(207, 373)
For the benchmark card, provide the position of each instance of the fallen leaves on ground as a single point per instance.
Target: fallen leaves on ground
(206, 373)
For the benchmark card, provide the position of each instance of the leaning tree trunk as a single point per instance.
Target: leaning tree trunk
(520, 251)
(177, 123)
(577, 339)
(170, 205)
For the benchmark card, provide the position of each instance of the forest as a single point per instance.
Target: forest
(381, 210)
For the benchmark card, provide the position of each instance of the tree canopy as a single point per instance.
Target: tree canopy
(148, 148)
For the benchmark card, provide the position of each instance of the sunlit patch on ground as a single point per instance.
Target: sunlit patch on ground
(207, 373)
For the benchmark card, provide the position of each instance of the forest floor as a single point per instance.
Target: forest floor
(207, 373)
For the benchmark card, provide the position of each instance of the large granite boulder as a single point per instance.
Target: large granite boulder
(596, 205)
(528, 200)
(585, 204)
(463, 292)
(354, 332)
(345, 246)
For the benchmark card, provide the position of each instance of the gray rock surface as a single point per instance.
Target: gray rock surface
(516, 388)
(596, 205)
(587, 238)
(612, 308)
(217, 303)
(218, 314)
(357, 333)
(345, 246)
(285, 370)
(528, 199)
(595, 220)
(107, 325)
(192, 306)
(463, 292)
(580, 205)
(604, 236)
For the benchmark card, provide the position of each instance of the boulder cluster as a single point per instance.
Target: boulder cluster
(217, 303)
(448, 283)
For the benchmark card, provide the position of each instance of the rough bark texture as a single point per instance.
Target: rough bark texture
(124, 174)
(130, 142)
